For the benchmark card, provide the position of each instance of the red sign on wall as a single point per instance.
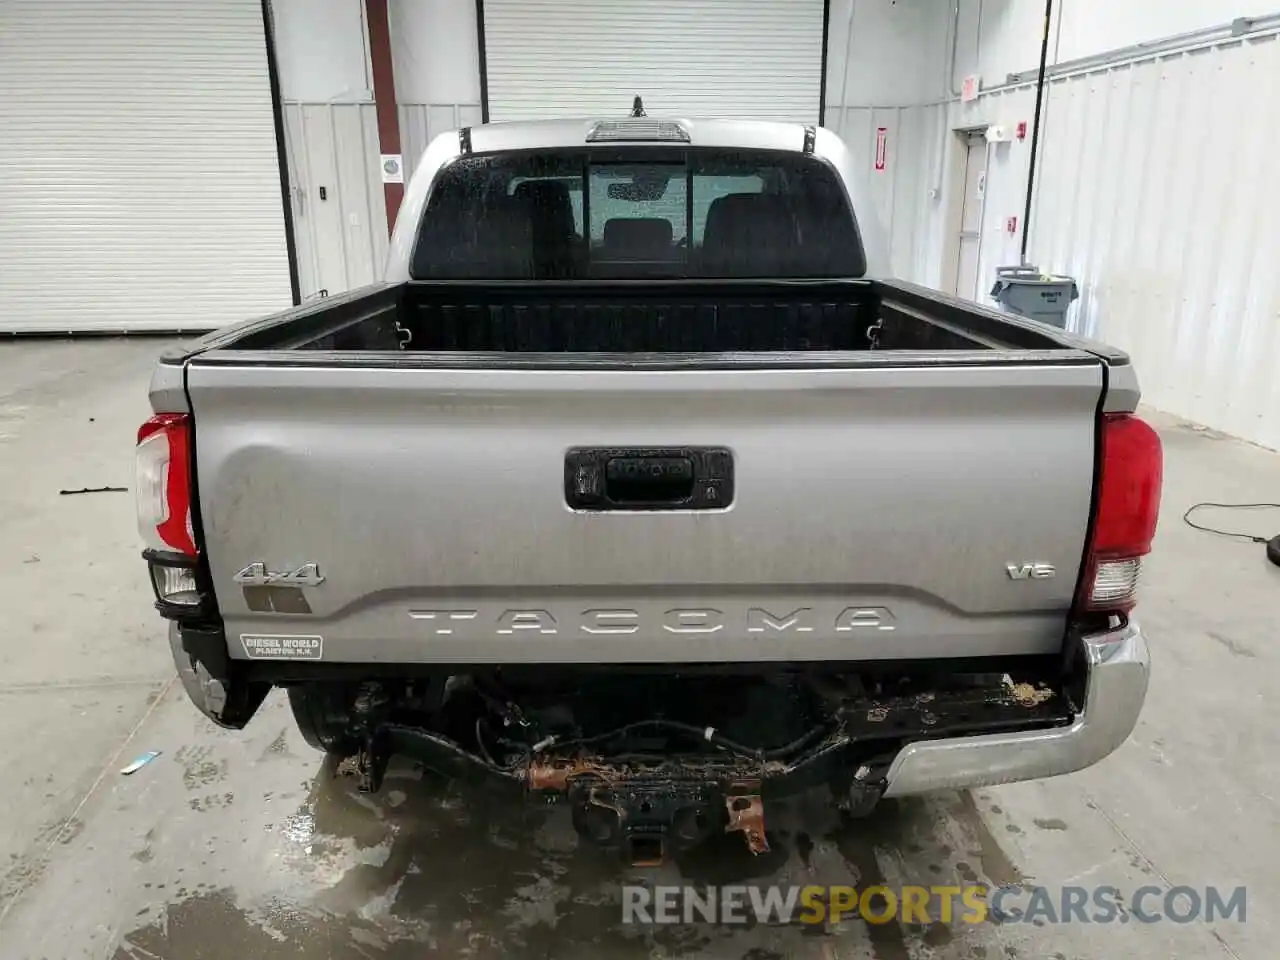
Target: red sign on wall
(882, 146)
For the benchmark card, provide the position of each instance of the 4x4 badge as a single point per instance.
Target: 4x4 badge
(257, 575)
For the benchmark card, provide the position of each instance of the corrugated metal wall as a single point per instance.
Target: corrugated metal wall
(342, 237)
(420, 123)
(900, 192)
(1157, 191)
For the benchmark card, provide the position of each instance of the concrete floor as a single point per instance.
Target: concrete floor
(244, 845)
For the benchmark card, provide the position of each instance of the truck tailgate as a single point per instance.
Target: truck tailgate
(877, 513)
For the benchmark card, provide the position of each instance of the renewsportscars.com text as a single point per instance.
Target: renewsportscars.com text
(972, 904)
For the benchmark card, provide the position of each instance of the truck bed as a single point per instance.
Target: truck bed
(837, 493)
(688, 317)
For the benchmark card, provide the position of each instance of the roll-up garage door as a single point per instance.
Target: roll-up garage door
(139, 182)
(711, 58)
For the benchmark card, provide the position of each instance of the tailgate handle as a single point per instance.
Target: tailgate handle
(648, 479)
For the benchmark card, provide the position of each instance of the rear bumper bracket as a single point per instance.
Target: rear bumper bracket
(1118, 667)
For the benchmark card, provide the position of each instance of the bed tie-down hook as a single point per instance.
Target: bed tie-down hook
(873, 333)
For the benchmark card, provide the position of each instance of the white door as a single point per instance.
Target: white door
(139, 179)
(709, 58)
(975, 190)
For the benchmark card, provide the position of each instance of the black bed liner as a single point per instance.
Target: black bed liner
(620, 318)
(648, 319)
(665, 320)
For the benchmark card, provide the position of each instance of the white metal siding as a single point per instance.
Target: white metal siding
(722, 58)
(420, 123)
(139, 184)
(1156, 190)
(899, 192)
(341, 239)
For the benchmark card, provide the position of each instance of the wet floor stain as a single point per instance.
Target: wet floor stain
(70, 830)
(804, 847)
(216, 801)
(992, 860)
(145, 853)
(857, 840)
(1053, 823)
(211, 926)
(204, 774)
(1234, 647)
(938, 935)
(23, 874)
(279, 747)
(431, 868)
(199, 767)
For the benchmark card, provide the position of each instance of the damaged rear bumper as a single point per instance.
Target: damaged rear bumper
(1117, 670)
(917, 746)
(891, 745)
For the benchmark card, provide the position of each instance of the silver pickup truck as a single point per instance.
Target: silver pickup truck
(634, 485)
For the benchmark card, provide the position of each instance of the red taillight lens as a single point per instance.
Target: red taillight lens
(1128, 509)
(163, 483)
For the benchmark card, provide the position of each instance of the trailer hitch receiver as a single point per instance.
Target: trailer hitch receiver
(647, 820)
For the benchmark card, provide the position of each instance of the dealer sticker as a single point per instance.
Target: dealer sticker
(259, 646)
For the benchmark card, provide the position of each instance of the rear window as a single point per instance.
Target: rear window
(747, 215)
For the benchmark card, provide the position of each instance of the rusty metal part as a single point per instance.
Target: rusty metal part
(368, 765)
(555, 773)
(956, 713)
(596, 799)
(867, 733)
(746, 815)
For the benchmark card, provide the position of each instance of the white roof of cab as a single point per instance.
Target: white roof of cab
(550, 134)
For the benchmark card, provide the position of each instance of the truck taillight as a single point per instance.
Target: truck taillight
(1128, 508)
(163, 484)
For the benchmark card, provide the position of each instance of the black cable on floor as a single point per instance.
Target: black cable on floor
(1186, 517)
(1272, 543)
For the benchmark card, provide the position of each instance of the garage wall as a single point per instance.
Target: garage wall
(435, 51)
(340, 217)
(331, 121)
(322, 51)
(897, 49)
(1154, 190)
(897, 64)
(900, 193)
(436, 58)
(139, 180)
(999, 37)
(887, 69)
(331, 137)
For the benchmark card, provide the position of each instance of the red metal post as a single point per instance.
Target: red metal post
(384, 96)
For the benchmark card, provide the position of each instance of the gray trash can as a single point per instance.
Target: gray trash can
(1029, 293)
